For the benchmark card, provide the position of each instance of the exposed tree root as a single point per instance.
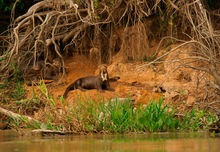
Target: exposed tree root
(55, 29)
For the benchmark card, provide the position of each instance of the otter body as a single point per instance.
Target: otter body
(100, 82)
(89, 82)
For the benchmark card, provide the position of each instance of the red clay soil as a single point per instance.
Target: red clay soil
(179, 87)
(134, 83)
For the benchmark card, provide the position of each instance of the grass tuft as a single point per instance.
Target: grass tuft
(88, 115)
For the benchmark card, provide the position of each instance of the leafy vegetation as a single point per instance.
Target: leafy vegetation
(88, 115)
(12, 89)
(117, 117)
(154, 117)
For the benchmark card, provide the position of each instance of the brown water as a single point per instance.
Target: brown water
(171, 142)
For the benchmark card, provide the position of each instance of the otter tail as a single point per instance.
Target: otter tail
(70, 87)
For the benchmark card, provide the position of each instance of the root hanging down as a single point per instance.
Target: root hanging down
(55, 30)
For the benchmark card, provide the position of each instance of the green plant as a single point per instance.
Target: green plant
(117, 116)
(123, 117)
(15, 123)
(44, 90)
(88, 115)
(96, 3)
(197, 119)
(2, 58)
(4, 84)
(157, 117)
(19, 91)
(154, 117)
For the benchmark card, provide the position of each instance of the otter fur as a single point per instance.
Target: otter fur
(100, 82)
(41, 70)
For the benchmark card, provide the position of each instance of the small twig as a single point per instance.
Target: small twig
(167, 53)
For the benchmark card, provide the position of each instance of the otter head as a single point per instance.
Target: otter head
(103, 72)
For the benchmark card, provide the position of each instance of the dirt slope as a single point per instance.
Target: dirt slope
(135, 83)
(178, 87)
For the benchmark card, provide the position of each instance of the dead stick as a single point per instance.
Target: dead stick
(18, 116)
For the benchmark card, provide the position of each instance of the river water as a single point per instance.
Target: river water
(10, 141)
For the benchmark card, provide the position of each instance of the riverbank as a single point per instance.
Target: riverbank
(155, 86)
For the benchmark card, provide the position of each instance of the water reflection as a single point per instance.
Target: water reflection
(167, 142)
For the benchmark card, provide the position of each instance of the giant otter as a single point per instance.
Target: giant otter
(49, 71)
(99, 82)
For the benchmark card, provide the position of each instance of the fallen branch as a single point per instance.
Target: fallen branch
(50, 132)
(13, 115)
